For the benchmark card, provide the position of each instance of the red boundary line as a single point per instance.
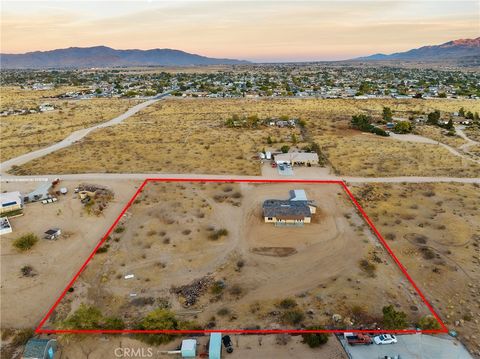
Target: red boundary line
(39, 329)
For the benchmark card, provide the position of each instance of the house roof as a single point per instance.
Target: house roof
(286, 209)
(297, 157)
(9, 198)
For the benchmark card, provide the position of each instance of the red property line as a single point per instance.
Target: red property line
(39, 329)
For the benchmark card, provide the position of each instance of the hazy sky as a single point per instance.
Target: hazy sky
(253, 30)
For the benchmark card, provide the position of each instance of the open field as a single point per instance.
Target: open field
(189, 136)
(25, 133)
(204, 252)
(27, 298)
(434, 229)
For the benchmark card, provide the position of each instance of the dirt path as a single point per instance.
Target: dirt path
(469, 143)
(76, 136)
(421, 139)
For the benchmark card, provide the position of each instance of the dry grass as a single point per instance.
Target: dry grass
(25, 133)
(434, 229)
(188, 136)
(440, 135)
(366, 155)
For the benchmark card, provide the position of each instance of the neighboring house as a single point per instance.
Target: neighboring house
(10, 201)
(5, 226)
(42, 192)
(295, 211)
(297, 158)
(40, 349)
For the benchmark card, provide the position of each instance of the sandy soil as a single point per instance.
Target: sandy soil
(165, 243)
(25, 300)
(435, 231)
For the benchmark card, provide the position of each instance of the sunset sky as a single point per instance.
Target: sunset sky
(252, 30)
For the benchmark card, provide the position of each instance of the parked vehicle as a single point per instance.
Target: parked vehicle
(358, 339)
(385, 339)
(281, 167)
(227, 343)
(274, 164)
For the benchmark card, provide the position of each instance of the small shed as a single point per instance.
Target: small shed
(189, 348)
(40, 349)
(53, 233)
(215, 346)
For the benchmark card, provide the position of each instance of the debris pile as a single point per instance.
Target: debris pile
(190, 293)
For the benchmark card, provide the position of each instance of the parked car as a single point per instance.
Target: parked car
(274, 164)
(385, 339)
(281, 167)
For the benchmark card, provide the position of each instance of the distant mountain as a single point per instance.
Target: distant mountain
(458, 50)
(102, 56)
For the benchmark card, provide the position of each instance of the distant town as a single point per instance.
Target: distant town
(251, 81)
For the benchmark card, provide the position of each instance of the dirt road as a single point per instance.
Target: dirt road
(76, 136)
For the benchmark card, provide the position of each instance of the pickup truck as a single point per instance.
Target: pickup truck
(357, 339)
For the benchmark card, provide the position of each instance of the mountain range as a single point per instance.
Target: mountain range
(463, 51)
(458, 50)
(103, 56)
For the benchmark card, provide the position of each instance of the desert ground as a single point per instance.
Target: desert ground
(209, 239)
(26, 299)
(434, 229)
(190, 136)
(26, 133)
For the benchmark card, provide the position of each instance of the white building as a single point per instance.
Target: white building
(10, 201)
(297, 158)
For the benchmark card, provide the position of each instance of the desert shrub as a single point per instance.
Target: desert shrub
(103, 249)
(223, 311)
(235, 290)
(368, 267)
(285, 148)
(119, 229)
(25, 242)
(218, 234)
(428, 322)
(393, 319)
(427, 253)
(85, 317)
(288, 303)
(294, 316)
(27, 271)
(217, 287)
(314, 340)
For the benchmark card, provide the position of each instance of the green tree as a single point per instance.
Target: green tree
(387, 114)
(285, 148)
(461, 112)
(159, 319)
(402, 127)
(433, 118)
(449, 125)
(393, 319)
(314, 340)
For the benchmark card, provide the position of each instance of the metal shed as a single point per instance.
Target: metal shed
(215, 346)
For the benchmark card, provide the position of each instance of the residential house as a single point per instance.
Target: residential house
(297, 210)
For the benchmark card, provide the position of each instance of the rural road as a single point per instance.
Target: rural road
(76, 136)
(142, 176)
(469, 143)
